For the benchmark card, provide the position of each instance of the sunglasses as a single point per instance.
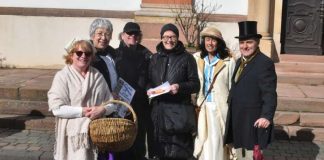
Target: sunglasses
(80, 53)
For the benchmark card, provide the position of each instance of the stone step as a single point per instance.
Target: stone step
(287, 132)
(293, 104)
(312, 119)
(305, 67)
(26, 84)
(20, 107)
(301, 58)
(300, 91)
(303, 119)
(27, 122)
(301, 78)
(286, 118)
(31, 93)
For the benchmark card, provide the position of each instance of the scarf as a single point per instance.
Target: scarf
(69, 87)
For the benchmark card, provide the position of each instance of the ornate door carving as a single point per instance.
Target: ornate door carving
(304, 27)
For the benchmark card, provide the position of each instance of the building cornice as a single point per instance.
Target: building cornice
(58, 12)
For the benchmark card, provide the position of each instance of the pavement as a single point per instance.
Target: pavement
(38, 145)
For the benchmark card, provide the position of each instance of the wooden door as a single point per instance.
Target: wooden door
(304, 27)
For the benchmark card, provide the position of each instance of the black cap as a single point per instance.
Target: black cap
(131, 27)
(248, 29)
(169, 27)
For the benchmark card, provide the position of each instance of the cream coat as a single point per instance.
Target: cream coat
(211, 122)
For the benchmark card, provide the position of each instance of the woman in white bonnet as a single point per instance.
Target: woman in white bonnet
(75, 97)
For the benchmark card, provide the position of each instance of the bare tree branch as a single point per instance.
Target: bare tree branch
(192, 18)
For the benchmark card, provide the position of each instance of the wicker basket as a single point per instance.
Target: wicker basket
(114, 134)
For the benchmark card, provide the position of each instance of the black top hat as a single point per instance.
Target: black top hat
(248, 29)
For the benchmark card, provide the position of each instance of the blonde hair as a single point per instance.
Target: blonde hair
(84, 44)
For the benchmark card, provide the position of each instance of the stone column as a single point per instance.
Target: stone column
(262, 12)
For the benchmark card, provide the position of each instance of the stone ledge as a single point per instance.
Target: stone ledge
(286, 118)
(306, 67)
(283, 132)
(312, 119)
(27, 122)
(301, 78)
(300, 104)
(19, 107)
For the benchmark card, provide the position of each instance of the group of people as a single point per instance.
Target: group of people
(237, 97)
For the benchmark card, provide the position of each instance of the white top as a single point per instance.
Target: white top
(112, 71)
(67, 111)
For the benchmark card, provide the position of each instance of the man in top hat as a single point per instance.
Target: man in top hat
(132, 61)
(253, 97)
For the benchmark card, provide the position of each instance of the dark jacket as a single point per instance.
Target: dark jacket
(100, 64)
(132, 65)
(252, 97)
(173, 115)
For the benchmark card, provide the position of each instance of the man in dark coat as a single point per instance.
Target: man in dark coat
(132, 61)
(253, 98)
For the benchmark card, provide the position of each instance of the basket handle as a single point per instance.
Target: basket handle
(125, 104)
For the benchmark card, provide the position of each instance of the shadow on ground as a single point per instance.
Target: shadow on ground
(299, 146)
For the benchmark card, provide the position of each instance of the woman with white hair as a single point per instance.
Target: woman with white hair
(215, 69)
(100, 34)
(75, 98)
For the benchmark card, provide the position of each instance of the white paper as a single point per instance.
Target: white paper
(124, 91)
(161, 89)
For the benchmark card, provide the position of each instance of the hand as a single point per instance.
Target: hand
(262, 123)
(150, 92)
(85, 111)
(174, 88)
(96, 112)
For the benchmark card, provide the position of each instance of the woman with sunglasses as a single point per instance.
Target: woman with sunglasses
(173, 114)
(74, 98)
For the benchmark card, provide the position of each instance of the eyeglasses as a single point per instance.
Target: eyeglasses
(99, 34)
(166, 38)
(135, 33)
(80, 53)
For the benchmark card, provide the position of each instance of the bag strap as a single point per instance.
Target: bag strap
(209, 90)
(219, 66)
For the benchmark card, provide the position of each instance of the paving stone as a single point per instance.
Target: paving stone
(47, 156)
(19, 155)
(33, 148)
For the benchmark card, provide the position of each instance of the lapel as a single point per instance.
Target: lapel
(201, 65)
(238, 62)
(218, 67)
(248, 67)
